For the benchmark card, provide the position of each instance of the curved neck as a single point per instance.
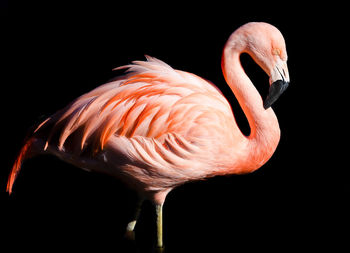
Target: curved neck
(264, 129)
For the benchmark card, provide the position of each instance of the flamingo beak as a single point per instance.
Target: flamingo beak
(279, 80)
(275, 91)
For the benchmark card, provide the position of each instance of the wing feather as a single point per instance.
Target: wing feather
(151, 101)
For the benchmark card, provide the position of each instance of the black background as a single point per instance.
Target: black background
(53, 52)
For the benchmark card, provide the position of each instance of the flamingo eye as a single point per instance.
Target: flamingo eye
(276, 51)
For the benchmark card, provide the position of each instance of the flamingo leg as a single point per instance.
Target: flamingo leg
(130, 233)
(159, 211)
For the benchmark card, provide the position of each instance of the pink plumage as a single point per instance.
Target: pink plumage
(156, 128)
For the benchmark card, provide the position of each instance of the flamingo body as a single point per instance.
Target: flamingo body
(156, 127)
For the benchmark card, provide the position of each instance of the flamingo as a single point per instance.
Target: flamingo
(156, 128)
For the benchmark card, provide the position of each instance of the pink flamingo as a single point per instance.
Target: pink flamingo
(156, 128)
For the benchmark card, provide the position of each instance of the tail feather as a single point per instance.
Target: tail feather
(23, 154)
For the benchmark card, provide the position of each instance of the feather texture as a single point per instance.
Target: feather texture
(148, 102)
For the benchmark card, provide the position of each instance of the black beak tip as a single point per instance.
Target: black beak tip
(275, 91)
(267, 104)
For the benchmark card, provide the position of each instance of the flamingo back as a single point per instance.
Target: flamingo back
(150, 100)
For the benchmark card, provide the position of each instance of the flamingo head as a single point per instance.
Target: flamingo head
(277, 70)
(266, 45)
